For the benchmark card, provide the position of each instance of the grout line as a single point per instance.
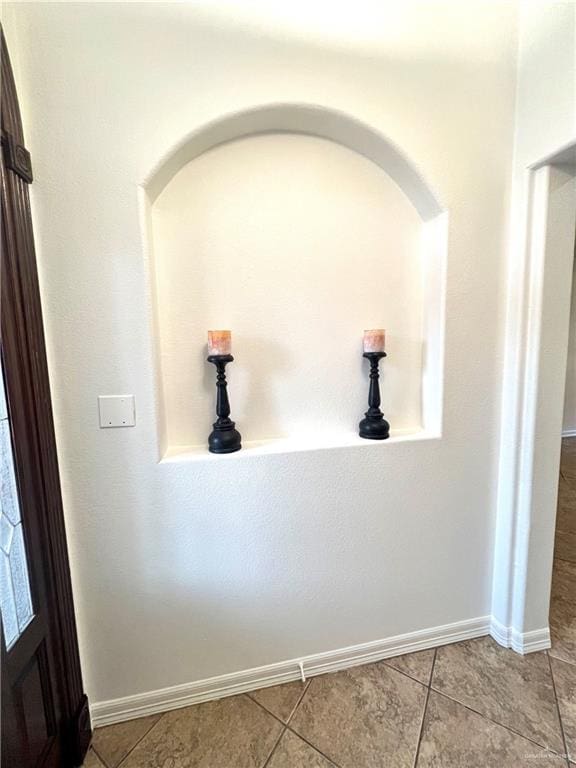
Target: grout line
(289, 728)
(558, 709)
(560, 658)
(425, 709)
(400, 672)
(432, 667)
(98, 755)
(314, 747)
(119, 765)
(495, 722)
(298, 702)
(279, 719)
(249, 694)
(282, 732)
(416, 679)
(421, 731)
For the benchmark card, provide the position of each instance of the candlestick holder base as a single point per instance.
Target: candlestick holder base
(374, 426)
(224, 437)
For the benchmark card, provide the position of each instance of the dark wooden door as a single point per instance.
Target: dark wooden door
(45, 719)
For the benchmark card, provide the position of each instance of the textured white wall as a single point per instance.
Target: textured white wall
(183, 571)
(545, 122)
(569, 421)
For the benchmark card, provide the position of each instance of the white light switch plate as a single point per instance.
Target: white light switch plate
(117, 410)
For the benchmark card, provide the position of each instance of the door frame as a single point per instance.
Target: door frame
(35, 431)
(539, 290)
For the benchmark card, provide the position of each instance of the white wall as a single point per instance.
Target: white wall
(187, 570)
(569, 420)
(545, 123)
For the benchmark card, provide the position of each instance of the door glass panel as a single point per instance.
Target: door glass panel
(15, 597)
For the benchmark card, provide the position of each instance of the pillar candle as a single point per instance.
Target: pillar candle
(374, 340)
(219, 342)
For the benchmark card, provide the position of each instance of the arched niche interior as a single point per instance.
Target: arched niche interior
(296, 227)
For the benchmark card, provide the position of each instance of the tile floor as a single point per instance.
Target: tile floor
(467, 705)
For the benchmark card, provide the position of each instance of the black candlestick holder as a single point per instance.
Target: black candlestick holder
(224, 437)
(374, 426)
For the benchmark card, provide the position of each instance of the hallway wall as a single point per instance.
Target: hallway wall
(188, 570)
(545, 123)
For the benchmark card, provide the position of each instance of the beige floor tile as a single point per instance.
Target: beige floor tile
(563, 611)
(568, 465)
(565, 681)
(568, 454)
(568, 468)
(417, 665)
(230, 733)
(565, 546)
(516, 691)
(292, 752)
(281, 700)
(113, 742)
(92, 760)
(455, 737)
(363, 717)
(566, 514)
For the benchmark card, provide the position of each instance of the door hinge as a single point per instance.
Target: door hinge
(17, 158)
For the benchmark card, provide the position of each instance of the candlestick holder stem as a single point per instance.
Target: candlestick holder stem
(224, 437)
(374, 426)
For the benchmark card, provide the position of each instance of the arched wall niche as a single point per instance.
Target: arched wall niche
(306, 119)
(413, 221)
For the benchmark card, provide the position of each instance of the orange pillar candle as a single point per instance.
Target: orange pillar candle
(219, 342)
(374, 340)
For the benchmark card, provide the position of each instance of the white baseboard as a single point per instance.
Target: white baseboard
(569, 433)
(500, 633)
(529, 642)
(521, 642)
(165, 699)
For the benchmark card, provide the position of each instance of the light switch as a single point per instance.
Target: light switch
(117, 410)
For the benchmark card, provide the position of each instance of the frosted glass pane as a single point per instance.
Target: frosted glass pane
(3, 408)
(20, 580)
(6, 534)
(9, 505)
(15, 596)
(9, 619)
